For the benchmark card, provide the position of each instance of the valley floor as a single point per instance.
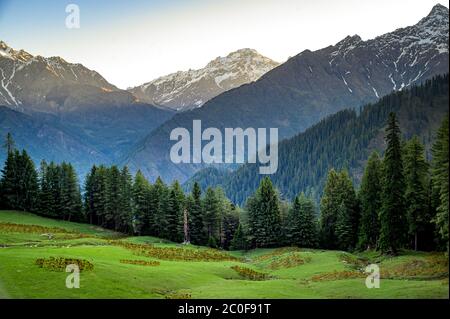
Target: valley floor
(147, 267)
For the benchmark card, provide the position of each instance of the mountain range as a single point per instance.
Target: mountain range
(67, 111)
(73, 114)
(309, 87)
(185, 90)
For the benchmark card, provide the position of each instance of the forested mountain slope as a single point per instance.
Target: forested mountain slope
(342, 140)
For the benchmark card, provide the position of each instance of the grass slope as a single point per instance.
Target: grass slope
(291, 272)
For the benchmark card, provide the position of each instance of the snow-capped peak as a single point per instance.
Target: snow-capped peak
(8, 52)
(19, 70)
(185, 90)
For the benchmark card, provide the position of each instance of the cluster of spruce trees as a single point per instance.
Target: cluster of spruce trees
(53, 191)
(112, 199)
(402, 203)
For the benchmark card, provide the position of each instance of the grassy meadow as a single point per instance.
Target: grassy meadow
(147, 267)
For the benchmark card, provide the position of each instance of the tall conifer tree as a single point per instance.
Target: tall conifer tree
(392, 214)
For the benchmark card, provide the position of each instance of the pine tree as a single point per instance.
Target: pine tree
(100, 195)
(352, 210)
(339, 212)
(88, 197)
(9, 143)
(229, 225)
(6, 181)
(211, 216)
(113, 199)
(56, 180)
(228, 218)
(392, 214)
(329, 205)
(239, 242)
(416, 194)
(302, 230)
(27, 179)
(125, 218)
(264, 215)
(141, 209)
(285, 210)
(9, 181)
(197, 227)
(45, 195)
(175, 211)
(370, 197)
(70, 194)
(440, 178)
(158, 207)
(344, 231)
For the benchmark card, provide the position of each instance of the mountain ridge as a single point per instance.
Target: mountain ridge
(74, 102)
(309, 87)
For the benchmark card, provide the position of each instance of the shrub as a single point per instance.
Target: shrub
(178, 295)
(36, 229)
(430, 267)
(19, 228)
(250, 273)
(338, 275)
(140, 262)
(289, 261)
(60, 263)
(353, 261)
(275, 253)
(174, 253)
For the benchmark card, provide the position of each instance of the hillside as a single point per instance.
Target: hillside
(308, 87)
(45, 141)
(27, 243)
(343, 140)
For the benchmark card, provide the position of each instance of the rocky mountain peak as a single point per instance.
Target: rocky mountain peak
(438, 11)
(42, 76)
(190, 89)
(349, 40)
(437, 18)
(7, 52)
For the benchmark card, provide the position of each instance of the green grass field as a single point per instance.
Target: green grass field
(287, 272)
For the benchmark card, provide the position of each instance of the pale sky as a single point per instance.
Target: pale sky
(132, 42)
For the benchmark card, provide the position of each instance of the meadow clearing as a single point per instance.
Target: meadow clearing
(33, 248)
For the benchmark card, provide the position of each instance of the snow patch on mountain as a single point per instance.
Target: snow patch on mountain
(20, 70)
(407, 54)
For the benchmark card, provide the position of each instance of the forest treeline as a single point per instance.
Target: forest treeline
(402, 202)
